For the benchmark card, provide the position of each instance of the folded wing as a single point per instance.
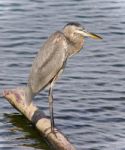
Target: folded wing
(48, 62)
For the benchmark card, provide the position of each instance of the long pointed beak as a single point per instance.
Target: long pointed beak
(92, 35)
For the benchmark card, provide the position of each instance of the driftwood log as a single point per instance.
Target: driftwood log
(57, 140)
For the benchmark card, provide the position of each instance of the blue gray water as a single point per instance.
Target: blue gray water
(89, 98)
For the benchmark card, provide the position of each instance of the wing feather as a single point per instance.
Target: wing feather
(48, 62)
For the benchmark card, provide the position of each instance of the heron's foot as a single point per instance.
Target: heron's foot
(53, 129)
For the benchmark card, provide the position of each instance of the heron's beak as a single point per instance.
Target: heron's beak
(92, 35)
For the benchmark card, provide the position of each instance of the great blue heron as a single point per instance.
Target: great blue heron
(51, 59)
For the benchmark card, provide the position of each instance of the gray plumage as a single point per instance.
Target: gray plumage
(43, 70)
(51, 58)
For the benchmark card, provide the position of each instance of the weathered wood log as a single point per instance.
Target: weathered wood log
(57, 140)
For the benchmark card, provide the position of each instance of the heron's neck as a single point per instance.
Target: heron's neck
(75, 46)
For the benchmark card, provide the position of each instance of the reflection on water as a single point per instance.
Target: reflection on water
(89, 99)
(24, 133)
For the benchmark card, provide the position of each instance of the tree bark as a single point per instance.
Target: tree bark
(57, 140)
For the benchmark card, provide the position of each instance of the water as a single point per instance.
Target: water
(89, 99)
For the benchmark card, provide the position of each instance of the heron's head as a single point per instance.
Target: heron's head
(75, 31)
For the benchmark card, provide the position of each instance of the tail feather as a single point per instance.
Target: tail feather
(28, 95)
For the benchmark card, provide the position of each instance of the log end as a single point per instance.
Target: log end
(16, 97)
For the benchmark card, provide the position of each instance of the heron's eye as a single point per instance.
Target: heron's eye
(81, 29)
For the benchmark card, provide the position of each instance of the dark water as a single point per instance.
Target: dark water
(90, 96)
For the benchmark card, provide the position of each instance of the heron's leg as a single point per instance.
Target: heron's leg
(50, 99)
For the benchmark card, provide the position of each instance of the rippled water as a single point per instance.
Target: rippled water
(89, 99)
